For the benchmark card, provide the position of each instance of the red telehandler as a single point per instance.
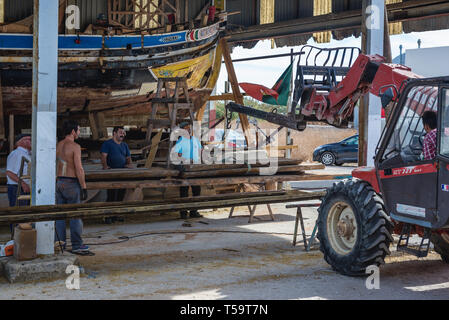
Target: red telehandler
(402, 194)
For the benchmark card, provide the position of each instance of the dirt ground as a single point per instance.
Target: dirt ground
(221, 258)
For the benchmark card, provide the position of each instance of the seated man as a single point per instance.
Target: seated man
(429, 119)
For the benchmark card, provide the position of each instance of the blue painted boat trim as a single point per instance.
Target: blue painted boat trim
(95, 42)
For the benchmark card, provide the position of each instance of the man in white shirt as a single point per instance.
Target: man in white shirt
(13, 163)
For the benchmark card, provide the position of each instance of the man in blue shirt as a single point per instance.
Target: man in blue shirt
(115, 154)
(189, 150)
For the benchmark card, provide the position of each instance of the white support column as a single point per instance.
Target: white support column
(45, 75)
(375, 11)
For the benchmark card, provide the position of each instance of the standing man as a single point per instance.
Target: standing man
(70, 184)
(429, 119)
(13, 163)
(189, 150)
(115, 154)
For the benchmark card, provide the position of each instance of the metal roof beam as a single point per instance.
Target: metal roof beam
(405, 11)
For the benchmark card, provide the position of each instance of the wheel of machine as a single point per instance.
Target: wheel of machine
(328, 158)
(353, 228)
(441, 246)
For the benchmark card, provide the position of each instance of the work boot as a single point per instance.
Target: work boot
(195, 214)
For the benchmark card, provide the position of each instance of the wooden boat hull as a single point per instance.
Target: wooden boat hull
(111, 75)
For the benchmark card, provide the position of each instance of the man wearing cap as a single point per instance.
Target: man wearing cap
(13, 163)
(188, 149)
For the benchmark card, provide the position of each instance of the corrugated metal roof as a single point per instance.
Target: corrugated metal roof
(249, 14)
(90, 10)
(18, 9)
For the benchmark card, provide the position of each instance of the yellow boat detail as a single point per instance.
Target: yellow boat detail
(200, 69)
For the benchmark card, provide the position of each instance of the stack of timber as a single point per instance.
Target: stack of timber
(214, 178)
(99, 210)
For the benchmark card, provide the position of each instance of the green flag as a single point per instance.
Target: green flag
(282, 87)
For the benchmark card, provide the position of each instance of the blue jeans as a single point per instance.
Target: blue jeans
(12, 196)
(68, 190)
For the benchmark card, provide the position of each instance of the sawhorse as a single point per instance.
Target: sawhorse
(252, 211)
(299, 219)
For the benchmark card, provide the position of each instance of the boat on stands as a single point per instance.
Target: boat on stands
(115, 74)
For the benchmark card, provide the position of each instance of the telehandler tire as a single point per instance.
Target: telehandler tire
(441, 246)
(353, 228)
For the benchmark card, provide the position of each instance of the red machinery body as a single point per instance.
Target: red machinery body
(369, 73)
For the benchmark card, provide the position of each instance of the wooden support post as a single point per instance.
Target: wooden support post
(11, 132)
(93, 126)
(103, 130)
(387, 43)
(2, 115)
(154, 147)
(2, 11)
(363, 105)
(186, 11)
(238, 97)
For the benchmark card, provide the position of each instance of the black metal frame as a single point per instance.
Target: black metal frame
(321, 76)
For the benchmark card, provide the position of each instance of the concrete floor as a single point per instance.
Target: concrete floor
(223, 258)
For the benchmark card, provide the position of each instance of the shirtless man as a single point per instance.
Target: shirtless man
(70, 184)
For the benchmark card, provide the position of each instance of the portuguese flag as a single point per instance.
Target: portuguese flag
(278, 95)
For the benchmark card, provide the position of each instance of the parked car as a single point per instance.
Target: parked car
(234, 138)
(338, 153)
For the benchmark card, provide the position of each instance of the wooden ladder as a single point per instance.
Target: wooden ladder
(173, 104)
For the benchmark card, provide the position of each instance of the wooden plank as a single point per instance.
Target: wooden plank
(2, 115)
(298, 169)
(11, 133)
(281, 162)
(238, 97)
(222, 97)
(129, 174)
(93, 126)
(138, 208)
(204, 181)
(99, 205)
(154, 147)
(103, 130)
(202, 12)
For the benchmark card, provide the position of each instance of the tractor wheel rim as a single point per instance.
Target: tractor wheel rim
(342, 228)
(328, 158)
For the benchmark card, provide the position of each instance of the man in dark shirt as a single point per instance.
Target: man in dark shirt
(115, 154)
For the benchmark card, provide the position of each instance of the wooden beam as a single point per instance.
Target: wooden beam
(2, 115)
(238, 97)
(154, 147)
(347, 20)
(11, 132)
(202, 12)
(93, 126)
(387, 43)
(140, 208)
